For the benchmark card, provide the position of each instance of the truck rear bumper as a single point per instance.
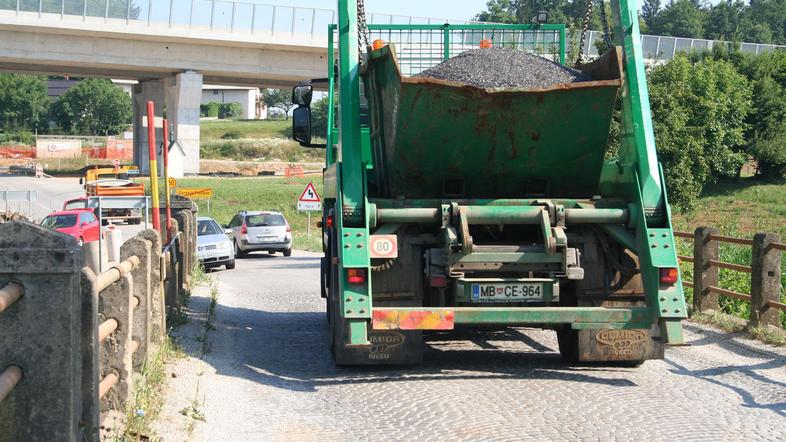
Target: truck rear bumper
(416, 318)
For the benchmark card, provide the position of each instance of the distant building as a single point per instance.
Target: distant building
(246, 96)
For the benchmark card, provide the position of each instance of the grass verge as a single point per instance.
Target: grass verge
(733, 324)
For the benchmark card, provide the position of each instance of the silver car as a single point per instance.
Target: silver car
(265, 231)
(214, 248)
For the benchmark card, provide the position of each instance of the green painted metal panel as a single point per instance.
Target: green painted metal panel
(354, 247)
(438, 138)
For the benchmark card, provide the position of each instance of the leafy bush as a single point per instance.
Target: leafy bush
(319, 115)
(210, 109)
(699, 112)
(231, 135)
(23, 101)
(229, 110)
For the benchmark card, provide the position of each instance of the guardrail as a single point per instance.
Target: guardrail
(247, 17)
(765, 271)
(71, 339)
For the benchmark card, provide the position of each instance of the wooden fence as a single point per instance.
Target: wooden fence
(765, 271)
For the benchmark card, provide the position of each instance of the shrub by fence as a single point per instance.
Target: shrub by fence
(71, 339)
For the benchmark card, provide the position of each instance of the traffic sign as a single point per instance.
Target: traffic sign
(309, 195)
(309, 200)
(383, 246)
(116, 163)
(172, 182)
(195, 192)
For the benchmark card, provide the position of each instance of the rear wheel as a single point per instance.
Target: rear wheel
(238, 252)
(288, 252)
(271, 252)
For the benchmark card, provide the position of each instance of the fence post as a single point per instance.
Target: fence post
(765, 280)
(41, 333)
(90, 350)
(157, 301)
(115, 303)
(142, 317)
(704, 275)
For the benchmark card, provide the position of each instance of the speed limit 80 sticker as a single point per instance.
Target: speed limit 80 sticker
(383, 246)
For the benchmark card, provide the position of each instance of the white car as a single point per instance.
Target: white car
(260, 231)
(214, 248)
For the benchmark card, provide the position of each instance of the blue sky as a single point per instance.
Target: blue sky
(455, 9)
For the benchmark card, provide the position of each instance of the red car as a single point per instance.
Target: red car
(82, 224)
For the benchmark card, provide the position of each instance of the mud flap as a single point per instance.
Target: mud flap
(619, 345)
(388, 347)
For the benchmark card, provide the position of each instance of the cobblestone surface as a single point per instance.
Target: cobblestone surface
(268, 376)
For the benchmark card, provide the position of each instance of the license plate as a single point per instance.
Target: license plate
(266, 238)
(507, 292)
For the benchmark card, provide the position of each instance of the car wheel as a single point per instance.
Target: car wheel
(230, 264)
(80, 241)
(288, 252)
(271, 252)
(238, 253)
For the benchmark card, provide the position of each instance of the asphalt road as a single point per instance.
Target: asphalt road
(261, 371)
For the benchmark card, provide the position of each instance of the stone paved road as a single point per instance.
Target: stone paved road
(267, 375)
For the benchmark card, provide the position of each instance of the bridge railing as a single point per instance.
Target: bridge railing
(764, 270)
(251, 18)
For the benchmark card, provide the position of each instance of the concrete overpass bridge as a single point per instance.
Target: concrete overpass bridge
(172, 47)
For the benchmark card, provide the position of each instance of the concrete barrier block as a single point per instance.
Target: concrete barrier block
(158, 298)
(90, 350)
(114, 302)
(42, 333)
(142, 317)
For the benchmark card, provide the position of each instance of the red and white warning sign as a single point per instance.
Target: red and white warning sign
(383, 246)
(309, 199)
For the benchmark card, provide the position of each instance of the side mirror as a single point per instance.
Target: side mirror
(301, 125)
(301, 94)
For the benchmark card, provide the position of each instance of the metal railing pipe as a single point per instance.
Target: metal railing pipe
(9, 295)
(112, 275)
(106, 328)
(8, 380)
(106, 384)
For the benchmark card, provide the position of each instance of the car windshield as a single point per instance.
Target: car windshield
(208, 227)
(59, 221)
(272, 219)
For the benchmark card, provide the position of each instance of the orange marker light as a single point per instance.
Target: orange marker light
(377, 44)
(668, 275)
(485, 43)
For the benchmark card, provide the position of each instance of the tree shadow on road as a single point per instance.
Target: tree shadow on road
(289, 350)
(740, 378)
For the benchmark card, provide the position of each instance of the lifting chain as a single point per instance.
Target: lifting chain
(362, 29)
(585, 27)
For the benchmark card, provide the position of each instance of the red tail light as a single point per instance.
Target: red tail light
(329, 221)
(669, 275)
(356, 276)
(289, 228)
(243, 229)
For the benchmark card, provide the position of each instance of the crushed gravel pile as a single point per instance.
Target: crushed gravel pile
(502, 67)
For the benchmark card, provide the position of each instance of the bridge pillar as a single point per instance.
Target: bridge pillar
(143, 92)
(183, 93)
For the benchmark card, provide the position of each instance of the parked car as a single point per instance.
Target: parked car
(213, 246)
(260, 231)
(82, 224)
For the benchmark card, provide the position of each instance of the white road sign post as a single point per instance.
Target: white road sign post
(309, 201)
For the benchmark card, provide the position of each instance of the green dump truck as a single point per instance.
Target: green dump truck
(449, 206)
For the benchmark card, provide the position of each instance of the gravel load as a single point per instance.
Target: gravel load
(503, 67)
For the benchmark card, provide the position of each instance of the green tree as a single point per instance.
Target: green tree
(699, 111)
(279, 99)
(650, 11)
(681, 18)
(23, 102)
(94, 106)
(725, 20)
(319, 117)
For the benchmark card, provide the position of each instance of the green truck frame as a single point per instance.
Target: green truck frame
(591, 208)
